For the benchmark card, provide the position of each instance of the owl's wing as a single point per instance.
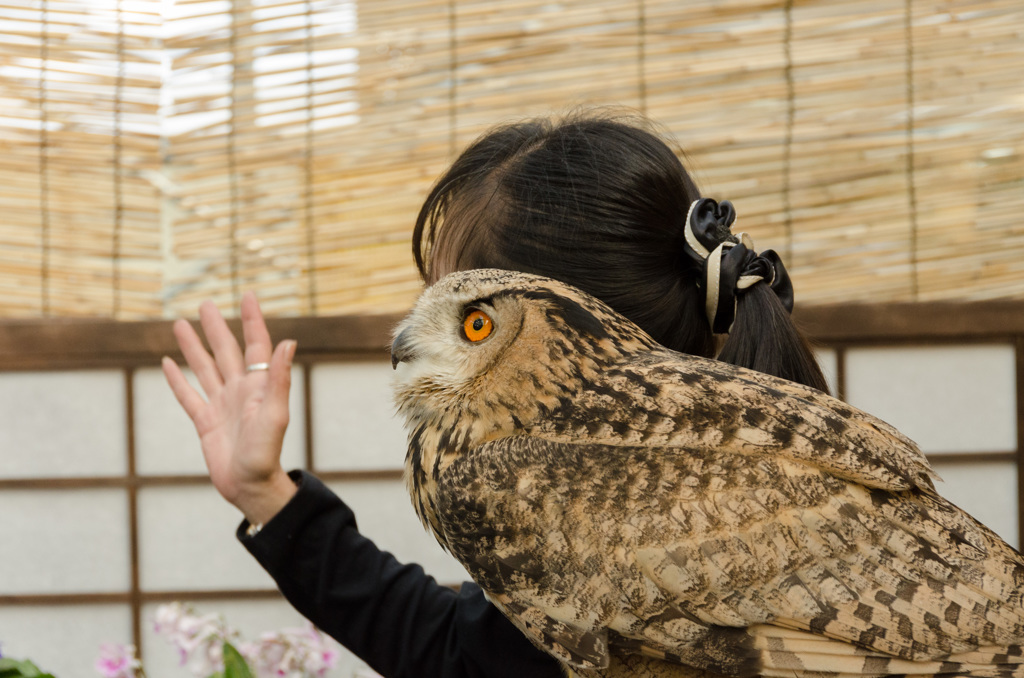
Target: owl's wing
(575, 644)
(668, 548)
(661, 397)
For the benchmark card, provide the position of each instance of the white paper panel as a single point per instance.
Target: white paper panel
(827, 359)
(63, 640)
(187, 541)
(354, 422)
(62, 424)
(385, 514)
(988, 491)
(64, 541)
(165, 439)
(250, 618)
(945, 398)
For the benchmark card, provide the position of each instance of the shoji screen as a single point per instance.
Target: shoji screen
(66, 510)
(108, 509)
(951, 377)
(958, 402)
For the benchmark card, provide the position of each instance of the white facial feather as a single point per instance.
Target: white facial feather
(437, 359)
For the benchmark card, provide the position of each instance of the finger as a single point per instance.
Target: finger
(278, 383)
(197, 358)
(226, 351)
(254, 330)
(187, 396)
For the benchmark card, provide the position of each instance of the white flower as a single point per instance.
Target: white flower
(291, 653)
(168, 617)
(199, 640)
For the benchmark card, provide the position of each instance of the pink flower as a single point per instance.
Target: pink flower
(117, 661)
(291, 653)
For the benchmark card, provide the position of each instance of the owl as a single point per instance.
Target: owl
(618, 500)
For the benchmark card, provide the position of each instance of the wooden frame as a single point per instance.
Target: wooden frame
(90, 344)
(60, 343)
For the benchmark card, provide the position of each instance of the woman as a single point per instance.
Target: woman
(603, 204)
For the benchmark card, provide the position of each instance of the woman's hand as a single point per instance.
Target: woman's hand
(242, 420)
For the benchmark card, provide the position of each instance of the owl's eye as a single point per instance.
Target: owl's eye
(477, 325)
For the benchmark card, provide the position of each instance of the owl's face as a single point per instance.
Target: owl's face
(510, 344)
(456, 336)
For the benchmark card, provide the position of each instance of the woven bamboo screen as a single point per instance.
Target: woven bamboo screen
(160, 152)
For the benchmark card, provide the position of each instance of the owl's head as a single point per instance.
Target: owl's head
(489, 341)
(486, 354)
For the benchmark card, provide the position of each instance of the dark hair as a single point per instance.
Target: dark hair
(599, 203)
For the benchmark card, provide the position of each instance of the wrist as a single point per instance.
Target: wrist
(261, 501)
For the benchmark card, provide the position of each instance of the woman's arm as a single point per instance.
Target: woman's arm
(395, 617)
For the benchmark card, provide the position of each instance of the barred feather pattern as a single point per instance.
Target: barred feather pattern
(638, 512)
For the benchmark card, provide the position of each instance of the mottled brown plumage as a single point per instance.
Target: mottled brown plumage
(615, 498)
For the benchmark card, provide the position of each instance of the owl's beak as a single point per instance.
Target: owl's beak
(401, 349)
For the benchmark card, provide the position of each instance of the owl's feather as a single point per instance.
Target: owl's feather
(615, 498)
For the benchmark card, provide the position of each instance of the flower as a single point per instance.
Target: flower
(168, 617)
(291, 653)
(203, 640)
(117, 661)
(199, 640)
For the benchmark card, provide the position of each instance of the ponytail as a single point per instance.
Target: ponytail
(764, 338)
(747, 295)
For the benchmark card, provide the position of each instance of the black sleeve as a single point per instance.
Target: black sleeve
(394, 617)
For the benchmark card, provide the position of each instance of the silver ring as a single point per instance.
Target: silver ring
(255, 367)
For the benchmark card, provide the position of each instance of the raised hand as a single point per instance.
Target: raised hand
(242, 420)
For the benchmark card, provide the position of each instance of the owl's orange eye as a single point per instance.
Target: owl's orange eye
(477, 326)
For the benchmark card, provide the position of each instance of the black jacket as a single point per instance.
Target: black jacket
(394, 617)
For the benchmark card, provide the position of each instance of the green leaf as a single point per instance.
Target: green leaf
(11, 668)
(235, 665)
(16, 668)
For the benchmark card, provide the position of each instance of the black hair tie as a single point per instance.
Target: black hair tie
(731, 265)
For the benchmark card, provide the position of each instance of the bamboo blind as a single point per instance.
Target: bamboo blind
(160, 152)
